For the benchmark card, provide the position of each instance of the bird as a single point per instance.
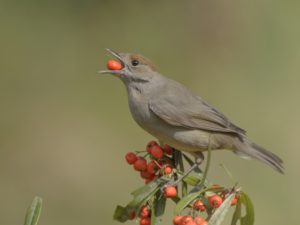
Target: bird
(169, 111)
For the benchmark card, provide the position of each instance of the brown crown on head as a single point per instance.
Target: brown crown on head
(143, 60)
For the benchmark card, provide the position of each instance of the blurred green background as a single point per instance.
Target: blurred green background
(64, 129)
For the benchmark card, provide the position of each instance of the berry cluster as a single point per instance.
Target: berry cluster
(189, 220)
(158, 165)
(145, 215)
(212, 202)
(198, 202)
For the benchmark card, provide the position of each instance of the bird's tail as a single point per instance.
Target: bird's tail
(252, 150)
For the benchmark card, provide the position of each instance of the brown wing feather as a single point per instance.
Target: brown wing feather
(190, 111)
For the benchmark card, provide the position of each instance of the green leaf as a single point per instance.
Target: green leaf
(140, 196)
(180, 161)
(184, 202)
(220, 213)
(159, 205)
(184, 188)
(145, 193)
(34, 211)
(157, 208)
(248, 219)
(153, 217)
(147, 188)
(191, 180)
(121, 214)
(237, 213)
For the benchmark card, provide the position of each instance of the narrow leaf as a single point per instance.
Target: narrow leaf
(220, 213)
(248, 219)
(237, 213)
(34, 211)
(184, 202)
(191, 180)
(145, 193)
(159, 205)
(147, 188)
(184, 188)
(120, 214)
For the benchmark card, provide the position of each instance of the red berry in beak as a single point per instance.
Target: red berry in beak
(114, 65)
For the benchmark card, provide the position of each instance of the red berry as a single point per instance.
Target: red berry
(167, 149)
(200, 221)
(113, 65)
(152, 167)
(199, 205)
(145, 212)
(140, 164)
(234, 201)
(191, 223)
(186, 220)
(170, 192)
(215, 201)
(177, 220)
(145, 221)
(150, 145)
(156, 152)
(130, 157)
(146, 175)
(168, 170)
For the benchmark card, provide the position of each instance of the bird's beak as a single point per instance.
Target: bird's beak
(117, 56)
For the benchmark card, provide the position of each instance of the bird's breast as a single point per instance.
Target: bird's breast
(139, 109)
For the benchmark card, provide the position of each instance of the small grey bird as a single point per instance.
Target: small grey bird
(174, 115)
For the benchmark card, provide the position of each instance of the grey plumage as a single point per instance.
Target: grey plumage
(174, 115)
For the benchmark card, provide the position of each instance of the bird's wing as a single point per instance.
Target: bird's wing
(191, 112)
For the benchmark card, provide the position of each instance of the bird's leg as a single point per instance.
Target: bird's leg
(199, 157)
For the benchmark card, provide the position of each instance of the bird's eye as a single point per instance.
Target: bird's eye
(135, 62)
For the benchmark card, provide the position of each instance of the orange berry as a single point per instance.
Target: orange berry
(140, 164)
(200, 221)
(168, 170)
(170, 192)
(177, 220)
(150, 145)
(215, 201)
(234, 201)
(186, 220)
(199, 205)
(145, 221)
(156, 152)
(130, 157)
(191, 223)
(145, 212)
(167, 149)
(113, 65)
